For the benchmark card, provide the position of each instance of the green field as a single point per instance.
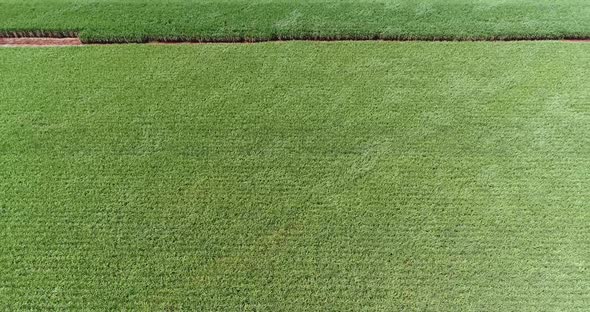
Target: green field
(238, 20)
(296, 176)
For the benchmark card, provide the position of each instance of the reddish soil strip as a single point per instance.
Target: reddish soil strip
(57, 42)
(39, 42)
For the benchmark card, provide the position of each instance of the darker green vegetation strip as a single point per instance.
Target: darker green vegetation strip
(147, 20)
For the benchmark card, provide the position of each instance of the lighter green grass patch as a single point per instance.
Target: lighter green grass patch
(295, 177)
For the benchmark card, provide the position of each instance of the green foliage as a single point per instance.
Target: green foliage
(146, 20)
(295, 176)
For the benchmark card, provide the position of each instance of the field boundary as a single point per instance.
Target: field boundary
(76, 41)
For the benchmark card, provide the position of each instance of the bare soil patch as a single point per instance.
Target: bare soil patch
(39, 42)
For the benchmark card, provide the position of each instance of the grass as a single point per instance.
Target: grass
(296, 176)
(241, 20)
